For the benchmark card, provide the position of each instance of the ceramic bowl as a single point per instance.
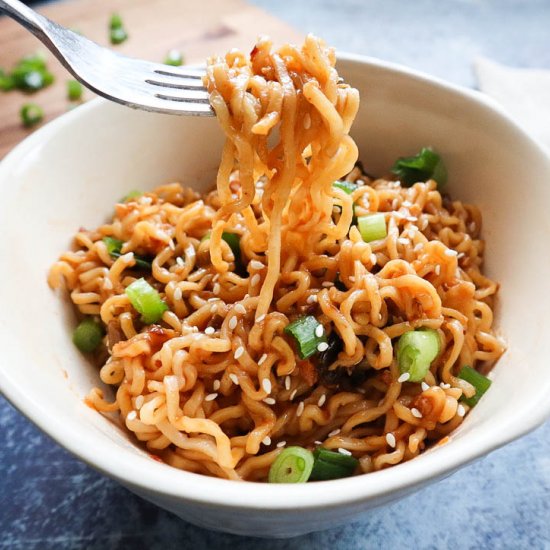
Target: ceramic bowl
(69, 174)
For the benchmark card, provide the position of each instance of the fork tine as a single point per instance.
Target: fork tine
(181, 72)
(170, 81)
(189, 96)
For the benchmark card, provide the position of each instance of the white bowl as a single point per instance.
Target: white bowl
(69, 174)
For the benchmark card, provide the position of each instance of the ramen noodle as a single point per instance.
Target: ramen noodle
(216, 384)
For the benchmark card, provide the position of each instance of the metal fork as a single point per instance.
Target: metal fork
(133, 82)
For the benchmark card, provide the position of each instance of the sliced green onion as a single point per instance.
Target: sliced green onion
(421, 167)
(116, 21)
(174, 58)
(31, 114)
(416, 350)
(146, 300)
(31, 74)
(332, 465)
(74, 90)
(348, 186)
(87, 335)
(479, 382)
(118, 35)
(134, 194)
(114, 247)
(306, 331)
(6, 82)
(372, 227)
(293, 465)
(234, 242)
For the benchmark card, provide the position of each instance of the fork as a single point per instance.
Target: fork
(134, 82)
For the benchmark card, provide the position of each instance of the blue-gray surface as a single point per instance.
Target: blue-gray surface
(50, 500)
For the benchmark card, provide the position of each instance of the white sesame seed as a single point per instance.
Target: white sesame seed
(234, 378)
(318, 442)
(394, 204)
(407, 204)
(327, 284)
(319, 331)
(403, 240)
(195, 329)
(128, 257)
(461, 255)
(177, 294)
(255, 280)
(460, 410)
(287, 382)
(232, 323)
(260, 318)
(171, 245)
(334, 432)
(445, 386)
(472, 227)
(351, 278)
(262, 359)
(300, 408)
(450, 252)
(216, 277)
(404, 377)
(139, 402)
(239, 308)
(311, 299)
(132, 415)
(212, 299)
(390, 440)
(322, 400)
(216, 385)
(293, 394)
(179, 261)
(209, 330)
(266, 385)
(238, 352)
(415, 412)
(437, 269)
(344, 451)
(322, 346)
(281, 444)
(211, 397)
(216, 288)
(214, 308)
(255, 264)
(373, 259)
(269, 401)
(266, 440)
(418, 247)
(424, 386)
(107, 284)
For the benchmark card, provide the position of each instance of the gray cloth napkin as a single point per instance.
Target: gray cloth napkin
(524, 93)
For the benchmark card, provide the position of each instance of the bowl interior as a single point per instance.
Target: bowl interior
(70, 173)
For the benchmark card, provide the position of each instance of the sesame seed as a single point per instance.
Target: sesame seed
(239, 308)
(212, 299)
(211, 397)
(107, 284)
(216, 385)
(281, 444)
(255, 264)
(300, 409)
(327, 284)
(216, 288)
(415, 412)
(351, 278)
(318, 442)
(323, 346)
(390, 440)
(139, 401)
(238, 352)
(437, 269)
(322, 400)
(234, 378)
(269, 401)
(232, 323)
(171, 245)
(216, 277)
(373, 259)
(424, 386)
(209, 330)
(461, 255)
(460, 410)
(472, 227)
(406, 204)
(262, 359)
(177, 294)
(179, 261)
(214, 308)
(344, 451)
(266, 440)
(255, 280)
(403, 240)
(450, 252)
(260, 318)
(266, 385)
(293, 394)
(311, 299)
(334, 432)
(287, 382)
(319, 331)
(445, 386)
(132, 415)
(418, 247)
(404, 377)
(394, 204)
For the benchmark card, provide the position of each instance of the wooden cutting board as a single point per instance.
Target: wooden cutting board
(198, 28)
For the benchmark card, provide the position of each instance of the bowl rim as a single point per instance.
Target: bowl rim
(170, 482)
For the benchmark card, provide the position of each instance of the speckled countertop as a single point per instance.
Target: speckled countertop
(50, 500)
